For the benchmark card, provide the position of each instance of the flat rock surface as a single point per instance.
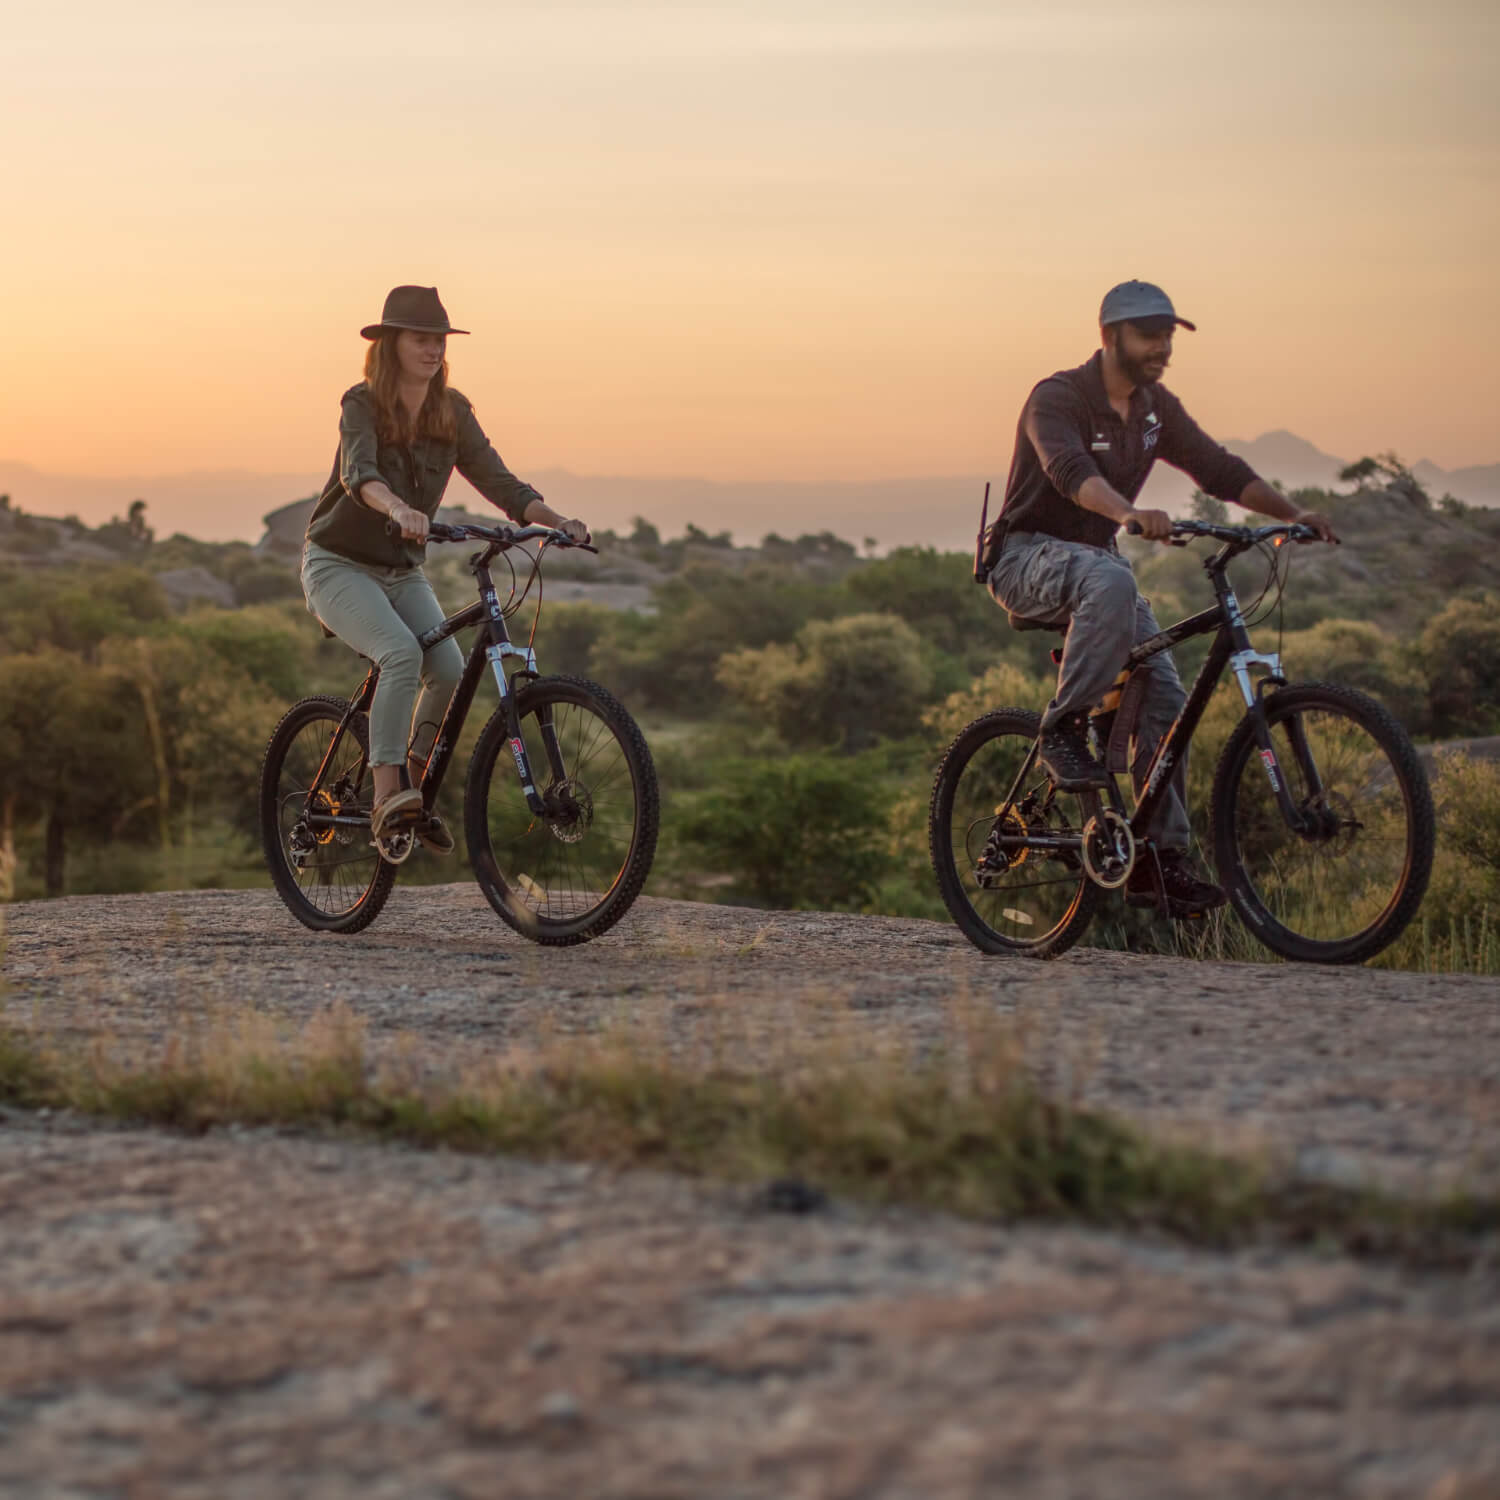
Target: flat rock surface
(255, 1314)
(1359, 1074)
(250, 1315)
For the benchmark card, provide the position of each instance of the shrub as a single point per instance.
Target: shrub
(843, 682)
(804, 831)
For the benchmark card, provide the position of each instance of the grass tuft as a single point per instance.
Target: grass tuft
(963, 1130)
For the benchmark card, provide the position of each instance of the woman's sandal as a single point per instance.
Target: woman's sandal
(396, 808)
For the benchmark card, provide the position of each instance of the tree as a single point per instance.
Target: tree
(643, 533)
(140, 532)
(1208, 508)
(72, 752)
(1391, 474)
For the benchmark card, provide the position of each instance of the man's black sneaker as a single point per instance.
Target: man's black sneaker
(433, 835)
(1065, 756)
(1188, 893)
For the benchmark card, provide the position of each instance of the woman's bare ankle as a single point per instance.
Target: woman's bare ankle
(387, 780)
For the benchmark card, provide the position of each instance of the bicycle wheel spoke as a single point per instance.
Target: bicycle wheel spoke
(562, 865)
(1342, 884)
(328, 873)
(1019, 898)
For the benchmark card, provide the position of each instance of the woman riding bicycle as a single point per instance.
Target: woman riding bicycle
(402, 432)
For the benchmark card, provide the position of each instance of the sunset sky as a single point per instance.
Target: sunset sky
(812, 241)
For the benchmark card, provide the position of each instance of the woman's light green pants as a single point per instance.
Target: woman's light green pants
(380, 612)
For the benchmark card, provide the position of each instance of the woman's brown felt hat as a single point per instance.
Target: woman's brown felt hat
(413, 307)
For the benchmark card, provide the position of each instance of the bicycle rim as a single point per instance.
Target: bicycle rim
(570, 872)
(1342, 891)
(1041, 903)
(331, 878)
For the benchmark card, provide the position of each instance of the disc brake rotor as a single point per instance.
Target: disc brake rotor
(570, 811)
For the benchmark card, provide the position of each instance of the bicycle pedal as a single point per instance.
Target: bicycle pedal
(395, 847)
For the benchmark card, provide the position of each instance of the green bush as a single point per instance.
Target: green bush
(803, 831)
(1458, 653)
(843, 682)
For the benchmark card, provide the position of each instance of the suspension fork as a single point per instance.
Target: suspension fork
(1240, 661)
(496, 653)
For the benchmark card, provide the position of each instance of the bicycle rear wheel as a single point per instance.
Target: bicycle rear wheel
(1346, 885)
(1036, 903)
(329, 875)
(570, 873)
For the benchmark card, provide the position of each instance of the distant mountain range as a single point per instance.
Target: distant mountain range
(224, 505)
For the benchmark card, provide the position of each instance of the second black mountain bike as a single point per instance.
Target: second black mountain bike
(1322, 820)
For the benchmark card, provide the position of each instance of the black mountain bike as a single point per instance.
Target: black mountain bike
(1322, 820)
(560, 807)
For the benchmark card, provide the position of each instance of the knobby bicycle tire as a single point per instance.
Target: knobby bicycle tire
(492, 797)
(949, 864)
(1404, 792)
(366, 899)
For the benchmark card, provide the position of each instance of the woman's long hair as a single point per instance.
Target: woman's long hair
(393, 422)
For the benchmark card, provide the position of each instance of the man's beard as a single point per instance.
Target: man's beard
(1135, 370)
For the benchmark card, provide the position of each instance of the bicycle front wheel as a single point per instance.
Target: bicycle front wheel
(1345, 884)
(1026, 901)
(571, 872)
(327, 872)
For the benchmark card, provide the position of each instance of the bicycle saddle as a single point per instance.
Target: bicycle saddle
(1025, 622)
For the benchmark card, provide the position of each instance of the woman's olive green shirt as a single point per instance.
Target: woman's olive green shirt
(417, 471)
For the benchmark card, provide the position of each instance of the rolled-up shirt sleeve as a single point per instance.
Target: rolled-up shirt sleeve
(357, 442)
(1186, 446)
(1052, 428)
(484, 469)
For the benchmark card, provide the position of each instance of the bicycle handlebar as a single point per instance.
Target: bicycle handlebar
(1242, 536)
(501, 536)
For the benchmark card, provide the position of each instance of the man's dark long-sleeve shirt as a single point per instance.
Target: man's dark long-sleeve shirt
(1069, 433)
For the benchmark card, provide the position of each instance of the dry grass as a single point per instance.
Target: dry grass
(963, 1128)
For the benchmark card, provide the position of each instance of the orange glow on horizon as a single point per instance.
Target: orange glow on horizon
(737, 241)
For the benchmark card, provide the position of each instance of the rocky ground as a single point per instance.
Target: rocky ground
(251, 1314)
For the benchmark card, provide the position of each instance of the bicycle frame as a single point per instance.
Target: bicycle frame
(1231, 648)
(492, 648)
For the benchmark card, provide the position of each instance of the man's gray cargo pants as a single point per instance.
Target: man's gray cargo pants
(1093, 592)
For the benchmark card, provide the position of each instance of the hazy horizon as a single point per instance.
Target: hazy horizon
(742, 241)
(227, 505)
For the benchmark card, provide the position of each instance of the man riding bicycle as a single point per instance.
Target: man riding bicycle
(1085, 444)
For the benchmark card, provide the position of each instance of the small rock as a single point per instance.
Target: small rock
(790, 1195)
(560, 1407)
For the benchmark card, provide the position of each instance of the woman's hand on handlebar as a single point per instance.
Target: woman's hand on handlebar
(411, 522)
(1154, 525)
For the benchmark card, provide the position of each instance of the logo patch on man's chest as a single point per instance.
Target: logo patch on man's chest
(1152, 432)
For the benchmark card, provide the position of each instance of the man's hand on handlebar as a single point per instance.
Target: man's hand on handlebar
(576, 531)
(1319, 523)
(1154, 525)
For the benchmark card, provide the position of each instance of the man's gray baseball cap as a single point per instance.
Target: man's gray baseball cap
(1133, 300)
